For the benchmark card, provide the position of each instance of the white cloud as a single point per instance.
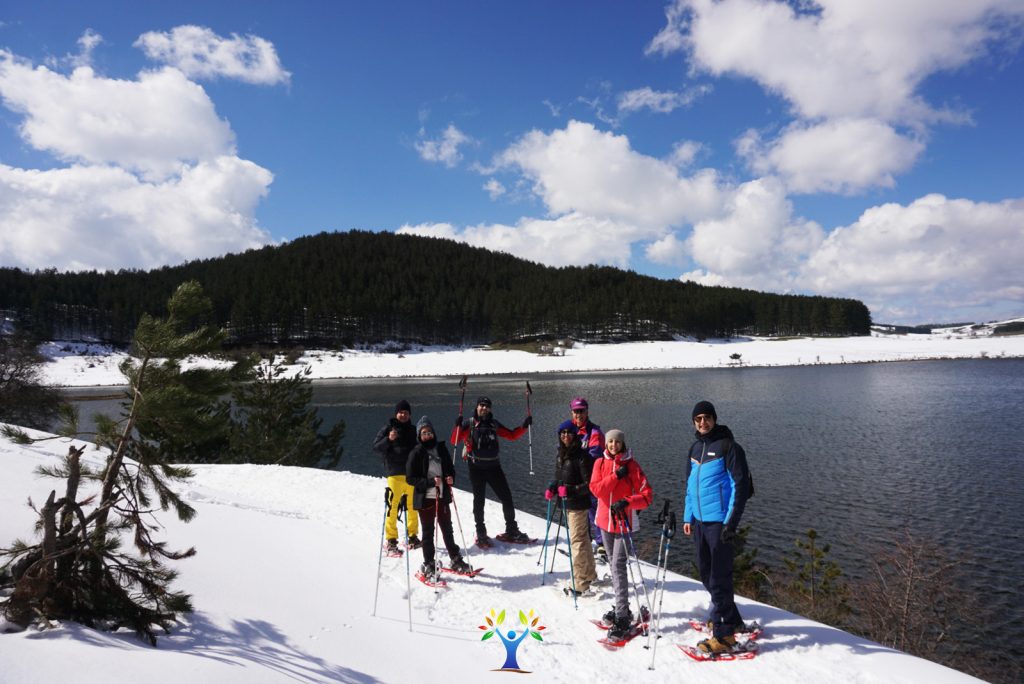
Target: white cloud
(200, 53)
(757, 242)
(153, 176)
(685, 152)
(444, 150)
(844, 66)
(662, 102)
(103, 217)
(668, 250)
(571, 240)
(87, 42)
(152, 125)
(494, 188)
(843, 156)
(581, 169)
(940, 255)
(837, 58)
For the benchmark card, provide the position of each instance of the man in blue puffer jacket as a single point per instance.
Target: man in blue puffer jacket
(717, 488)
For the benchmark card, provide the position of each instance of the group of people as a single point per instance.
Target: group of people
(601, 486)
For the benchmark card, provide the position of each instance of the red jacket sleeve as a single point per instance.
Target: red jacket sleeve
(602, 479)
(512, 434)
(644, 494)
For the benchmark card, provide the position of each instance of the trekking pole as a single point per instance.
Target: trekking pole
(529, 428)
(568, 541)
(558, 535)
(621, 526)
(458, 429)
(404, 509)
(544, 548)
(438, 485)
(663, 520)
(380, 554)
(669, 532)
(631, 549)
(465, 549)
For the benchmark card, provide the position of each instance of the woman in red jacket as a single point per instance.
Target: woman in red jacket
(621, 489)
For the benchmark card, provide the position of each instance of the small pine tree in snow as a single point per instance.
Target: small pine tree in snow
(815, 586)
(275, 423)
(81, 570)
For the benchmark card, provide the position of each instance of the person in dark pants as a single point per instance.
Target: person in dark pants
(431, 474)
(480, 435)
(717, 488)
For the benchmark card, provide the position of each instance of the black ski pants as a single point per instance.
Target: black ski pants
(494, 477)
(443, 515)
(714, 562)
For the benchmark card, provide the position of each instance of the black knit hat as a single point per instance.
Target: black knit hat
(704, 407)
(484, 401)
(403, 406)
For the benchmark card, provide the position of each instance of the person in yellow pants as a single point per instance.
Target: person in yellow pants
(394, 441)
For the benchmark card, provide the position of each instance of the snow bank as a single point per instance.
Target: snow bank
(80, 365)
(284, 585)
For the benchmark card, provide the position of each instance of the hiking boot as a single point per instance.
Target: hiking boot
(718, 645)
(609, 617)
(414, 542)
(460, 566)
(429, 572)
(620, 629)
(392, 546)
(483, 541)
(517, 537)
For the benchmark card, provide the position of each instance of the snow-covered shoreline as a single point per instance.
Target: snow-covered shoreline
(283, 585)
(92, 365)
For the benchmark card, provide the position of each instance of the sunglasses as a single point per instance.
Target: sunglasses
(703, 419)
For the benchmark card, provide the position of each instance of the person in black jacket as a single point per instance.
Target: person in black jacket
(393, 442)
(573, 466)
(430, 472)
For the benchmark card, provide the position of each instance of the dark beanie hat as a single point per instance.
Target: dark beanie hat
(704, 407)
(424, 422)
(484, 401)
(403, 406)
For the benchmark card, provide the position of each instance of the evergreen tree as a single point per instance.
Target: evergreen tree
(815, 585)
(276, 424)
(23, 400)
(80, 570)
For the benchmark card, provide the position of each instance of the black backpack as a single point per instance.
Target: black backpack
(727, 444)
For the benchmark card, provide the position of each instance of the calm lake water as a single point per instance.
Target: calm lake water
(861, 453)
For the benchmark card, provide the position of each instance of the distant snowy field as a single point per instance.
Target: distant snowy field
(284, 579)
(84, 365)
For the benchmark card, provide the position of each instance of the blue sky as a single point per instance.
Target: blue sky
(844, 147)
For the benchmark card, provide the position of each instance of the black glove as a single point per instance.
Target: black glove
(728, 535)
(619, 507)
(553, 487)
(528, 421)
(458, 421)
(621, 472)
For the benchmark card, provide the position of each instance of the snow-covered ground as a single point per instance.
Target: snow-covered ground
(83, 365)
(284, 584)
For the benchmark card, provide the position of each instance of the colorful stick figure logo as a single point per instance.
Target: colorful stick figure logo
(510, 638)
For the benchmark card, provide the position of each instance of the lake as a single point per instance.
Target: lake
(859, 452)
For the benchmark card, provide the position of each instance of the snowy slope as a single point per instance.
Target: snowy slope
(284, 587)
(82, 365)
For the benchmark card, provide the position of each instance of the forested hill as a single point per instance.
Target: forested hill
(347, 288)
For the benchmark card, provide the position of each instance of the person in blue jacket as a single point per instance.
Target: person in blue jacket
(717, 488)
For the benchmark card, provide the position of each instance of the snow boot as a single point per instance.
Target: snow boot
(414, 542)
(718, 645)
(460, 566)
(392, 548)
(609, 617)
(429, 572)
(621, 628)
(516, 536)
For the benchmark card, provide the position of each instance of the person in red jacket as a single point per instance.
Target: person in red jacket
(622, 490)
(480, 437)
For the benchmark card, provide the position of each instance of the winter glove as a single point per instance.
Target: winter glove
(528, 421)
(563, 491)
(621, 472)
(549, 495)
(458, 421)
(728, 535)
(619, 507)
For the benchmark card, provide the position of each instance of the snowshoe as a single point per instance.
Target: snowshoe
(622, 632)
(483, 541)
(721, 649)
(428, 575)
(392, 549)
(461, 567)
(516, 537)
(748, 631)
